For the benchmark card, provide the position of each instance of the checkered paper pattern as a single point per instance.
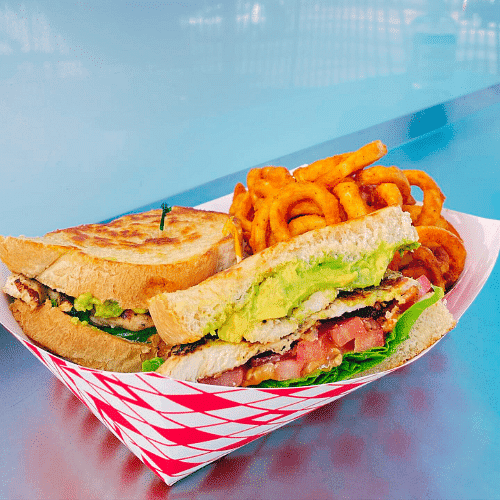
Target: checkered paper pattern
(177, 427)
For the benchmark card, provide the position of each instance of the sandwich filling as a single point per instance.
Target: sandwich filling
(296, 290)
(130, 324)
(350, 333)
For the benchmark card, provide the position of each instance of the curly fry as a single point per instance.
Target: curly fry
(379, 175)
(242, 208)
(239, 189)
(259, 235)
(433, 197)
(442, 257)
(430, 263)
(316, 169)
(389, 194)
(267, 181)
(415, 210)
(306, 207)
(350, 198)
(430, 236)
(361, 158)
(281, 206)
(304, 223)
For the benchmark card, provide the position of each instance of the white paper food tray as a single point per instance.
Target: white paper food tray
(176, 427)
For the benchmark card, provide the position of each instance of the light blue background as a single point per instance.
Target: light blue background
(107, 106)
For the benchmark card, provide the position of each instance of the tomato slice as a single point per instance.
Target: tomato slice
(308, 351)
(346, 330)
(365, 332)
(288, 369)
(231, 378)
(373, 336)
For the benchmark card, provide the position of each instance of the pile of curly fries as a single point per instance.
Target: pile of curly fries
(277, 205)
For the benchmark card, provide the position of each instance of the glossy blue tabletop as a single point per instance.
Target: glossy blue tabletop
(109, 107)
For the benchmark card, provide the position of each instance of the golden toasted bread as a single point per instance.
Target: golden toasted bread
(129, 259)
(52, 329)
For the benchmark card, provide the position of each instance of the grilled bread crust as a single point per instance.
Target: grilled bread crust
(128, 260)
(180, 317)
(52, 329)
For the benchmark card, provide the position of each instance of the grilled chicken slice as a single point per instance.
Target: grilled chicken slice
(129, 320)
(30, 291)
(216, 356)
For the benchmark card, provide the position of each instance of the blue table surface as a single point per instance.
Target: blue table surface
(109, 107)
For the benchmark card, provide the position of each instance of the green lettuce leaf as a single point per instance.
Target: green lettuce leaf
(151, 365)
(140, 336)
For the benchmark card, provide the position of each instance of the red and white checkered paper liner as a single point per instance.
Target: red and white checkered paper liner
(176, 427)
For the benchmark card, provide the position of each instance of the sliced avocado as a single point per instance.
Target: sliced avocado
(283, 290)
(107, 309)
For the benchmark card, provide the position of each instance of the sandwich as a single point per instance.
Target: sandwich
(318, 308)
(82, 292)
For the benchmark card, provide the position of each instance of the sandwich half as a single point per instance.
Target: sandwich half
(318, 308)
(83, 292)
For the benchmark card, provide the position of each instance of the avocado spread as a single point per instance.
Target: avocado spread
(280, 292)
(106, 309)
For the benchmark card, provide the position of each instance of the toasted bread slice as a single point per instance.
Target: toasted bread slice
(128, 260)
(184, 316)
(52, 329)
